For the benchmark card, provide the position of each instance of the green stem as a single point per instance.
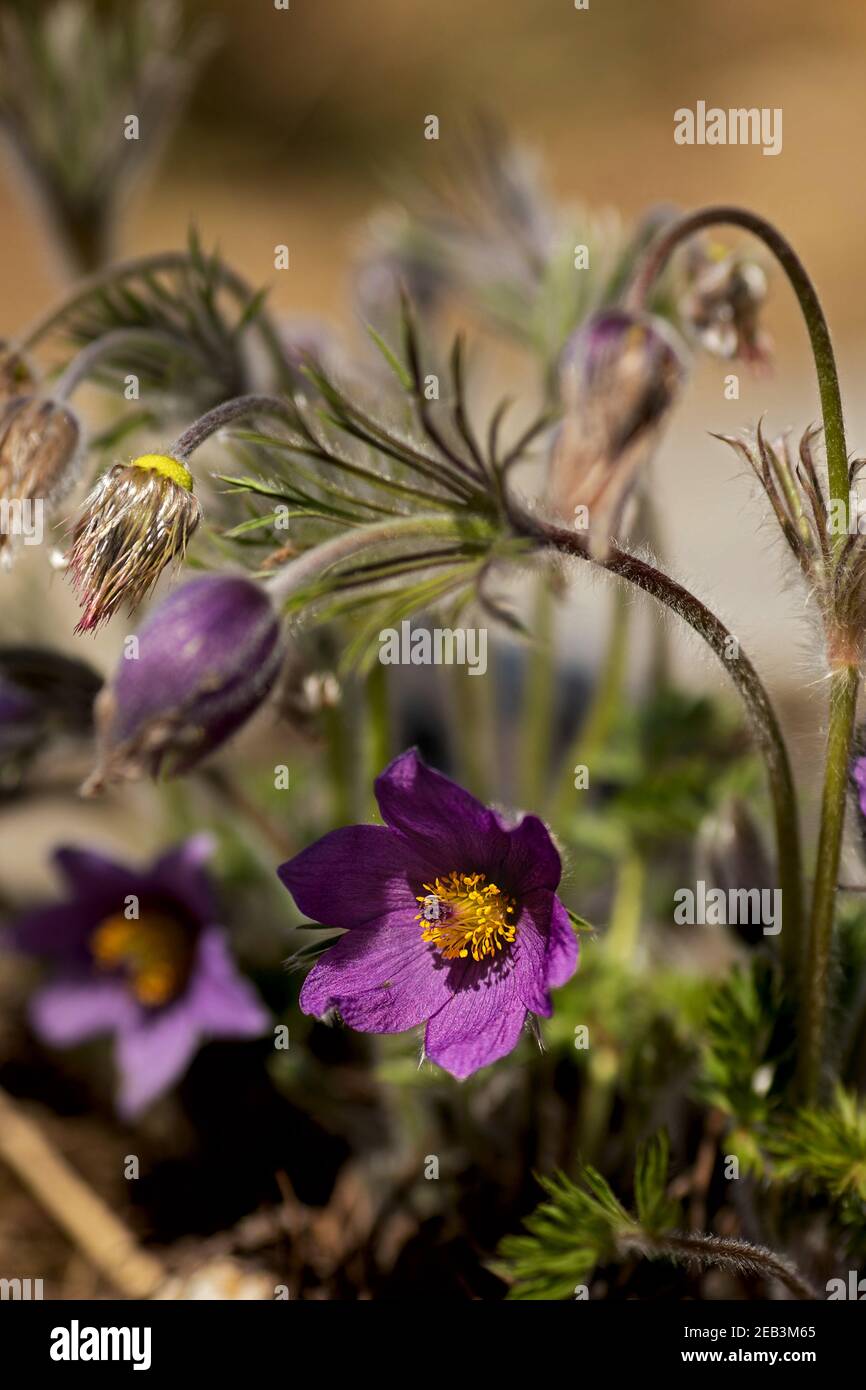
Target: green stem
(810, 305)
(539, 695)
(749, 685)
(843, 705)
(598, 720)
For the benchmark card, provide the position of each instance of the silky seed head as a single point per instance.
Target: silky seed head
(137, 520)
(39, 449)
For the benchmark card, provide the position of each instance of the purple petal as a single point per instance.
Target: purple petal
(476, 1027)
(529, 952)
(62, 930)
(382, 977)
(66, 1012)
(533, 860)
(562, 947)
(153, 1055)
(180, 873)
(89, 874)
(447, 825)
(355, 875)
(224, 1003)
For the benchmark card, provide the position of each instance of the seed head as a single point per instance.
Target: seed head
(137, 520)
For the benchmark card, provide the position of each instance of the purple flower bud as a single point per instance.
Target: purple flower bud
(201, 664)
(619, 374)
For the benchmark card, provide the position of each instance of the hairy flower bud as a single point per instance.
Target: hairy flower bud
(619, 375)
(138, 519)
(201, 664)
(39, 448)
(723, 303)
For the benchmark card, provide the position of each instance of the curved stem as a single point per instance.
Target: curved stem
(153, 265)
(320, 558)
(84, 361)
(656, 259)
(222, 415)
(728, 1252)
(843, 706)
(769, 736)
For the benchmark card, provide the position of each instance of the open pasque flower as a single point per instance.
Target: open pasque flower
(619, 375)
(450, 915)
(203, 662)
(139, 518)
(138, 954)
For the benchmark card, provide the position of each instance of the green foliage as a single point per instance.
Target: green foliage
(189, 316)
(69, 76)
(824, 1151)
(655, 1210)
(575, 1230)
(749, 1041)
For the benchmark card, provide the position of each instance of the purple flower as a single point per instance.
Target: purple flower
(137, 953)
(451, 919)
(204, 661)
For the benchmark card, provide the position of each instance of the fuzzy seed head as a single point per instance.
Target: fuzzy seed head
(137, 520)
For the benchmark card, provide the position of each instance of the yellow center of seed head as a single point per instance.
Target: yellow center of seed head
(167, 467)
(471, 916)
(152, 951)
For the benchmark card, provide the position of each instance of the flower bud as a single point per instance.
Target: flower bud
(138, 519)
(201, 664)
(39, 452)
(723, 303)
(619, 375)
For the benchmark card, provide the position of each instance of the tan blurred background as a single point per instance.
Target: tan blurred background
(302, 117)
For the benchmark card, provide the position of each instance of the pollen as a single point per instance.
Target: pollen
(475, 918)
(152, 951)
(167, 467)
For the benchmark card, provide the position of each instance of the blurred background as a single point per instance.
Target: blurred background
(305, 121)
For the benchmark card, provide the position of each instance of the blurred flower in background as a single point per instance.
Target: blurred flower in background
(138, 954)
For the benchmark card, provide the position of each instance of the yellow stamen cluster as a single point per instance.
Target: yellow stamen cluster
(152, 950)
(473, 917)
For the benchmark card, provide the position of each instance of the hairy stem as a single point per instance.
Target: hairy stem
(843, 705)
(749, 685)
(728, 1252)
(320, 558)
(223, 415)
(655, 261)
(108, 345)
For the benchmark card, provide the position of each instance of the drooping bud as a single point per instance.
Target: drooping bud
(137, 520)
(723, 303)
(201, 664)
(619, 375)
(39, 447)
